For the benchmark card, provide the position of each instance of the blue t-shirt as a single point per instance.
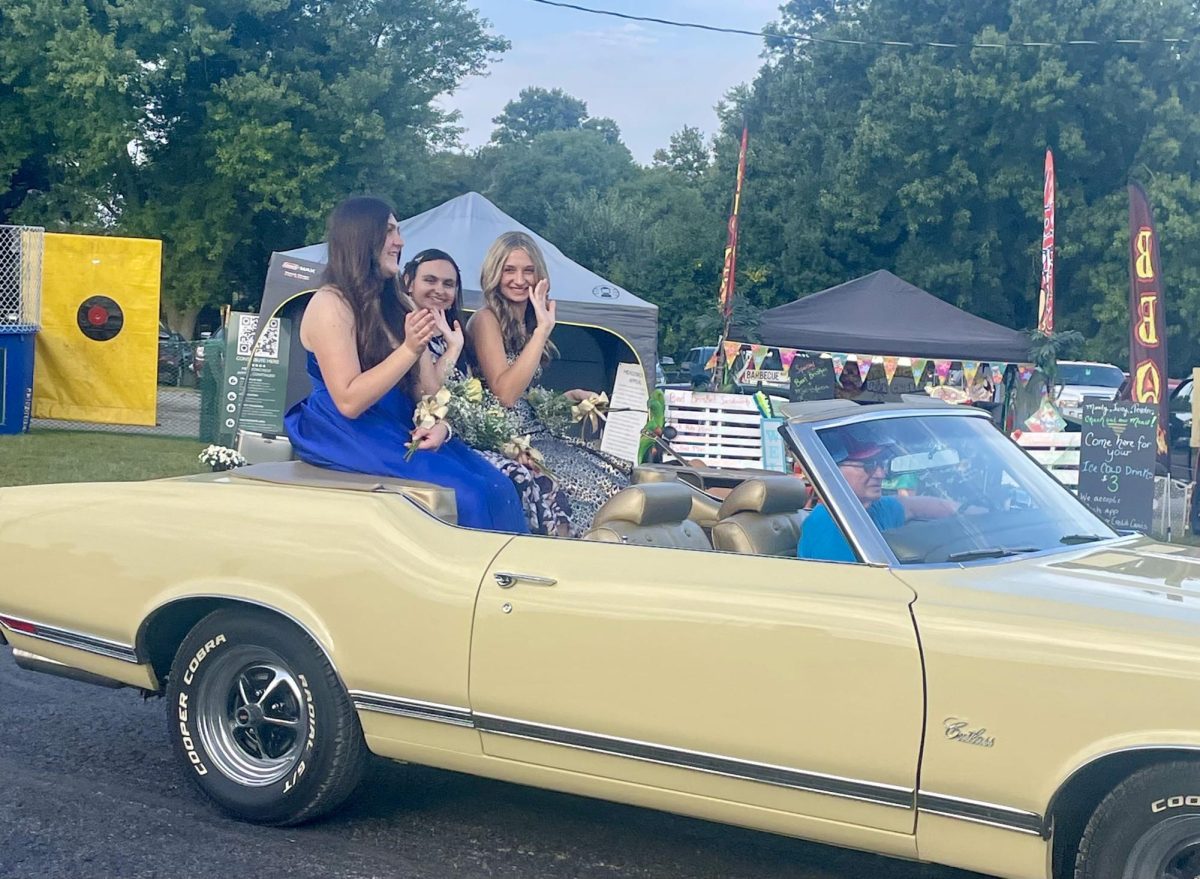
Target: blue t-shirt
(822, 540)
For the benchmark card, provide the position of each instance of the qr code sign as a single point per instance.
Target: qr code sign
(268, 345)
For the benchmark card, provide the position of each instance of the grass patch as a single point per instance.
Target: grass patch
(80, 456)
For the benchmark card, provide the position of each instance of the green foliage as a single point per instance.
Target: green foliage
(536, 111)
(928, 161)
(1047, 349)
(227, 129)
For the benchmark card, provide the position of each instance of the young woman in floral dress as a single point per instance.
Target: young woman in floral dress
(433, 280)
(510, 340)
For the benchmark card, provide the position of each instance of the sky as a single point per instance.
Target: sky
(651, 79)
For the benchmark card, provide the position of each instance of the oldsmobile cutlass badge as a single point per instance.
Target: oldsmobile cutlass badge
(956, 731)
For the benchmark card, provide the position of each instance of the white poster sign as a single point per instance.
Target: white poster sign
(627, 413)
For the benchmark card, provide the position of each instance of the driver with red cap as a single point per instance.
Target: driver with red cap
(864, 465)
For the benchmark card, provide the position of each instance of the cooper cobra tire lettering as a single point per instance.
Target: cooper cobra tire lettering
(189, 746)
(208, 647)
(1176, 802)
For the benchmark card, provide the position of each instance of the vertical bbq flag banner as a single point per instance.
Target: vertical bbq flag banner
(96, 358)
(730, 268)
(1147, 326)
(1046, 298)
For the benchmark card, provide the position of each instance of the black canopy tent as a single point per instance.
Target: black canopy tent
(880, 313)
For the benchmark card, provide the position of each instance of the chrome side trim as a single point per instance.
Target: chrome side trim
(33, 662)
(77, 640)
(781, 776)
(978, 812)
(411, 708)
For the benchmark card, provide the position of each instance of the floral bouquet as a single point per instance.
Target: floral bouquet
(552, 409)
(477, 416)
(220, 458)
(431, 411)
(519, 446)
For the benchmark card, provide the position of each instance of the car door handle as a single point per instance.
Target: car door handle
(505, 580)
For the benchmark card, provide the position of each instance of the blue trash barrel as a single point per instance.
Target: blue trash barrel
(16, 379)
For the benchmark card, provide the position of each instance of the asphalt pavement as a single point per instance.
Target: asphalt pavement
(87, 789)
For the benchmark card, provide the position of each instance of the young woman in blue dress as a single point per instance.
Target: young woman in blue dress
(365, 345)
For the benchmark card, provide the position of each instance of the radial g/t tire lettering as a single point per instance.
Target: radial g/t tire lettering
(259, 720)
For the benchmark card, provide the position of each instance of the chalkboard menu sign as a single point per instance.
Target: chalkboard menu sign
(810, 378)
(1116, 462)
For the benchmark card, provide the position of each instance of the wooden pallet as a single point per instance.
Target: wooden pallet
(721, 430)
(1057, 452)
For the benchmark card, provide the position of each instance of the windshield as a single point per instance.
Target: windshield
(955, 489)
(1095, 374)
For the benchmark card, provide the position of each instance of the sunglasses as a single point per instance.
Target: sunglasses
(870, 465)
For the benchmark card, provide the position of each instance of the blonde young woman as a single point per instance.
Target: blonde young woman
(510, 338)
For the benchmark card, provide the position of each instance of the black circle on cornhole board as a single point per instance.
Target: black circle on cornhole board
(100, 318)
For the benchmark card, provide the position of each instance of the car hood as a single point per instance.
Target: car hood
(1135, 575)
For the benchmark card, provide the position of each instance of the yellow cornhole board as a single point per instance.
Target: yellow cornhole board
(96, 357)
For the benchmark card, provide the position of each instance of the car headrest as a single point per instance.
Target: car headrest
(653, 503)
(767, 495)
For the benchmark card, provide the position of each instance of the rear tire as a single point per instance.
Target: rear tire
(260, 722)
(1148, 827)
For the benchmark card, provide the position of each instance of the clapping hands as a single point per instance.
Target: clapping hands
(452, 335)
(419, 327)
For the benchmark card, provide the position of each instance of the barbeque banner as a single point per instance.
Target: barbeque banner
(96, 357)
(1147, 325)
(1046, 298)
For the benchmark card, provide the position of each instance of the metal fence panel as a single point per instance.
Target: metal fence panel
(21, 278)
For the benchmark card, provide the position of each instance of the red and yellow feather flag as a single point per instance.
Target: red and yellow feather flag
(1046, 298)
(1147, 327)
(730, 267)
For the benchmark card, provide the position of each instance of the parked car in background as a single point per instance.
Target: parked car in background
(1078, 379)
(695, 365)
(174, 356)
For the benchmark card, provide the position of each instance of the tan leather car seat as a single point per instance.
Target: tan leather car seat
(762, 516)
(704, 506)
(653, 514)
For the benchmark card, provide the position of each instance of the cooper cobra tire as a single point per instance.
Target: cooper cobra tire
(1148, 827)
(259, 720)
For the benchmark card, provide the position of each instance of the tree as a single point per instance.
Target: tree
(686, 154)
(537, 111)
(524, 180)
(227, 129)
(928, 161)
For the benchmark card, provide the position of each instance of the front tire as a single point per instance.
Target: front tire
(1148, 827)
(259, 720)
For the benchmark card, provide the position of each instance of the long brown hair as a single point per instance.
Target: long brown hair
(356, 232)
(514, 330)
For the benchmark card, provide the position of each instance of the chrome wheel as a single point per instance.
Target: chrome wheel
(1170, 851)
(251, 716)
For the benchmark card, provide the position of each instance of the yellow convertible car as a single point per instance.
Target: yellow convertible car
(967, 668)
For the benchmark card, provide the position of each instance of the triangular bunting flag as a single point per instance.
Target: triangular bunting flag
(889, 368)
(731, 352)
(712, 361)
(970, 370)
(758, 353)
(1024, 374)
(942, 369)
(998, 372)
(839, 363)
(864, 365)
(786, 356)
(918, 369)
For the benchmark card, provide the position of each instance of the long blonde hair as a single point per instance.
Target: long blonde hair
(515, 331)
